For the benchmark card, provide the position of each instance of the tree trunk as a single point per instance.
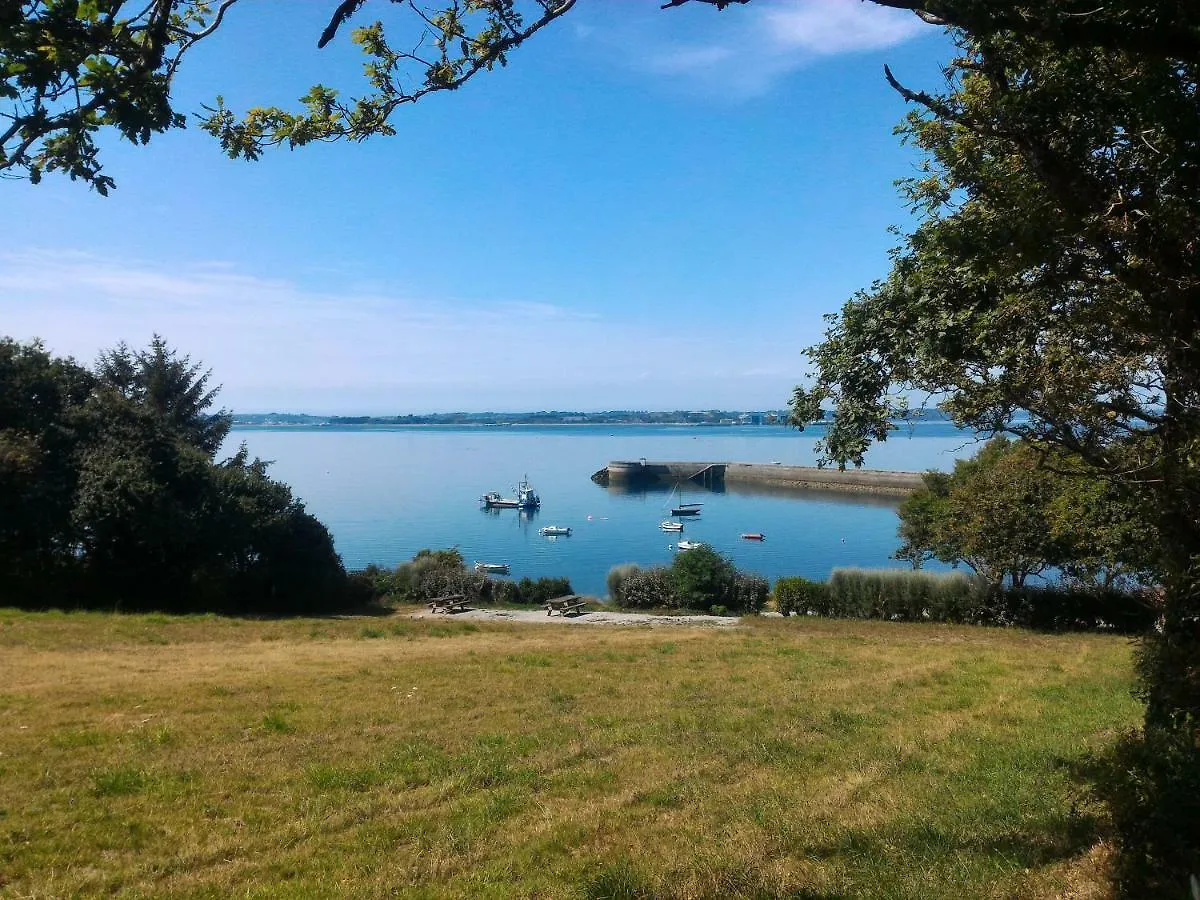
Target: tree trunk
(1171, 658)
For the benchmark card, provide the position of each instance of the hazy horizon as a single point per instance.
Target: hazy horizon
(644, 209)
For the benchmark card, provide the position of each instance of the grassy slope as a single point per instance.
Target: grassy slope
(202, 757)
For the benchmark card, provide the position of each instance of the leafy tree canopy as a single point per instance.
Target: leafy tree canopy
(113, 496)
(1015, 510)
(69, 68)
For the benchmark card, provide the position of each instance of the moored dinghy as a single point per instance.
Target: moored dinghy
(492, 568)
(668, 525)
(753, 536)
(554, 531)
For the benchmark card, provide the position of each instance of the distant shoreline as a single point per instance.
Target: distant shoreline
(612, 418)
(241, 424)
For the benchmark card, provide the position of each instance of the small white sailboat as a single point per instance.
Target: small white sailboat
(554, 531)
(683, 509)
(668, 525)
(492, 568)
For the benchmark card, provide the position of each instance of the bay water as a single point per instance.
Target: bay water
(387, 492)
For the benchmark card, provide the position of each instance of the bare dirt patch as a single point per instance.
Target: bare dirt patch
(628, 620)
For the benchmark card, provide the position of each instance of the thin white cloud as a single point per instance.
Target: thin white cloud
(742, 52)
(830, 27)
(689, 59)
(275, 343)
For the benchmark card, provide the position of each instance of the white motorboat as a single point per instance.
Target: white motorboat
(668, 525)
(493, 568)
(554, 531)
(689, 545)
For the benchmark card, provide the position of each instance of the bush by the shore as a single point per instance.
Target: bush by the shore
(915, 596)
(700, 579)
(437, 573)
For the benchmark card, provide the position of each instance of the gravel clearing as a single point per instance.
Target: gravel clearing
(586, 618)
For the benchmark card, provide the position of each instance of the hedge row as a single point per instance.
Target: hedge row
(902, 595)
(437, 573)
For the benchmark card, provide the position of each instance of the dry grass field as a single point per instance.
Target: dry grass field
(211, 757)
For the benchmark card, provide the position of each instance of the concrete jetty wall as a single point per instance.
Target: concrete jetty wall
(875, 481)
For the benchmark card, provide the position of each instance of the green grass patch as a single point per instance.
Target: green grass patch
(792, 758)
(119, 781)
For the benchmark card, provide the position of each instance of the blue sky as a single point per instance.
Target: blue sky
(646, 209)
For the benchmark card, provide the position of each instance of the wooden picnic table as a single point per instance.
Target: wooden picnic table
(570, 605)
(450, 603)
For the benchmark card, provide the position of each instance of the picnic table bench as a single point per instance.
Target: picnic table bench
(451, 603)
(570, 605)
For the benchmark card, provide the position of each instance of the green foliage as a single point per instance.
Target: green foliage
(750, 592)
(918, 596)
(536, 593)
(647, 589)
(1015, 510)
(113, 496)
(799, 595)
(71, 67)
(174, 390)
(699, 579)
(1105, 531)
(437, 573)
(456, 44)
(120, 781)
(504, 592)
(41, 399)
(1054, 273)
(1151, 783)
(990, 514)
(616, 581)
(702, 577)
(902, 595)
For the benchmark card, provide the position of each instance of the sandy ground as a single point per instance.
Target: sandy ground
(584, 618)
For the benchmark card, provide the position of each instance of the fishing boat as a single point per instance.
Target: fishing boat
(684, 509)
(668, 525)
(526, 498)
(554, 531)
(754, 536)
(492, 568)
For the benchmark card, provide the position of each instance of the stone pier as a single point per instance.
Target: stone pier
(712, 474)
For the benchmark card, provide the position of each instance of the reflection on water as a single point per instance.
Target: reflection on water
(760, 489)
(663, 488)
(825, 495)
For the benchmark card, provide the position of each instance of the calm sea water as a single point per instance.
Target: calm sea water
(387, 492)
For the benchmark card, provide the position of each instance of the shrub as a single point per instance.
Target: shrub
(503, 592)
(616, 580)
(1150, 782)
(900, 594)
(436, 573)
(801, 596)
(750, 592)
(1075, 607)
(702, 577)
(648, 589)
(536, 593)
(903, 595)
(362, 589)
